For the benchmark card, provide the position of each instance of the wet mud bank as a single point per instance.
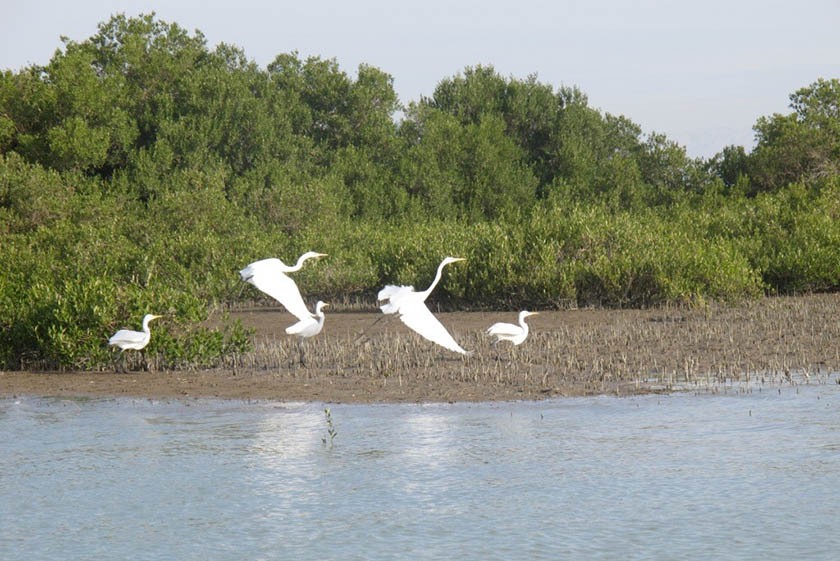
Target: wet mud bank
(361, 357)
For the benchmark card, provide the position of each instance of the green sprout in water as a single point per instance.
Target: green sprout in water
(331, 432)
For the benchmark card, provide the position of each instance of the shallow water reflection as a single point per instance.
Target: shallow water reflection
(748, 475)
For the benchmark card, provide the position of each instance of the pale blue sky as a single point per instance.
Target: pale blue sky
(700, 72)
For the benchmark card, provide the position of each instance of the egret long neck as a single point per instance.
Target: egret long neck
(297, 265)
(523, 324)
(432, 286)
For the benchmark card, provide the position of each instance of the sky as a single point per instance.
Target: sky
(701, 72)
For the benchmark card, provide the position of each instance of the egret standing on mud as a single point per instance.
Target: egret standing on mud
(516, 334)
(411, 307)
(127, 339)
(308, 327)
(269, 276)
(311, 326)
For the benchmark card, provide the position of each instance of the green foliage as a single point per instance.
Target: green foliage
(801, 146)
(800, 243)
(198, 347)
(469, 172)
(78, 267)
(140, 170)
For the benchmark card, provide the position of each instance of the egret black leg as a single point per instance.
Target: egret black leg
(496, 350)
(301, 348)
(121, 367)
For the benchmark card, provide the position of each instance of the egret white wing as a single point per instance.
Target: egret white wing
(127, 339)
(267, 275)
(389, 291)
(303, 327)
(418, 317)
(395, 296)
(504, 329)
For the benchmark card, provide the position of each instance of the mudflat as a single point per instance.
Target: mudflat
(367, 357)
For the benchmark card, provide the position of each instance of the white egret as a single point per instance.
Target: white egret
(269, 276)
(311, 326)
(128, 339)
(308, 327)
(516, 334)
(412, 310)
(136, 340)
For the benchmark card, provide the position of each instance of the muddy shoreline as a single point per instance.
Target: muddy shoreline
(358, 359)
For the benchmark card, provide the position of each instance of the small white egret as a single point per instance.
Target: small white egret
(128, 339)
(136, 340)
(412, 310)
(311, 326)
(516, 334)
(308, 327)
(269, 276)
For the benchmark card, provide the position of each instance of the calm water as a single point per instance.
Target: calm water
(728, 476)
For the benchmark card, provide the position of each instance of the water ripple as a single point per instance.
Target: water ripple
(747, 476)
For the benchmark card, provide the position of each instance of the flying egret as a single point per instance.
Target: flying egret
(308, 327)
(412, 310)
(516, 334)
(269, 276)
(127, 339)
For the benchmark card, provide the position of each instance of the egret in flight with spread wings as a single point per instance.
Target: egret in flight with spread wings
(269, 276)
(516, 334)
(412, 310)
(308, 327)
(127, 339)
